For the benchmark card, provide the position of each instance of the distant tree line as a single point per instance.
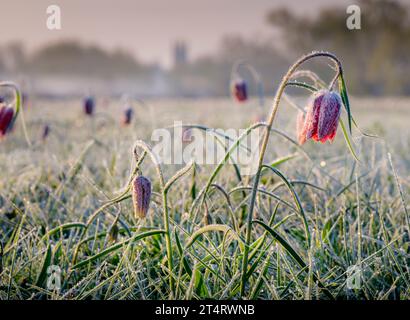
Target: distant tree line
(376, 58)
(71, 58)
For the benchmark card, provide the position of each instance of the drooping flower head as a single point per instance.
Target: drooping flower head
(46, 132)
(141, 196)
(6, 119)
(89, 106)
(321, 119)
(127, 116)
(240, 90)
(186, 135)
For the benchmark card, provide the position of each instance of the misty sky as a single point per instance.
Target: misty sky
(147, 28)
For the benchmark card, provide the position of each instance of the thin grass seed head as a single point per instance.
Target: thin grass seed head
(301, 128)
(89, 106)
(240, 90)
(6, 118)
(322, 117)
(141, 196)
(24, 99)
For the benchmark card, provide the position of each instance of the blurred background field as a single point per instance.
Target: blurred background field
(191, 57)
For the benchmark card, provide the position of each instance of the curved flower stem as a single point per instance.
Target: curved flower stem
(265, 141)
(255, 75)
(122, 196)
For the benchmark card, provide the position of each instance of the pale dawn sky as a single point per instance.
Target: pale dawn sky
(146, 28)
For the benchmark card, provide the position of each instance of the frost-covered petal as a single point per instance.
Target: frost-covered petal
(141, 196)
(240, 90)
(6, 117)
(329, 116)
(312, 116)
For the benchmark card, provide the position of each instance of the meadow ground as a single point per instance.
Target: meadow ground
(355, 212)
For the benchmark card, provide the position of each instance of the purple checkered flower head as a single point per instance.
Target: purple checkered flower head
(141, 196)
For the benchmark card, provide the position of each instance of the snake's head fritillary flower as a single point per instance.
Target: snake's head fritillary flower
(6, 119)
(240, 90)
(46, 132)
(322, 117)
(127, 116)
(329, 116)
(141, 196)
(186, 135)
(89, 105)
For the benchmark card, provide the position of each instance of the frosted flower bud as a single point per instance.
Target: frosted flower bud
(239, 90)
(6, 118)
(141, 196)
(322, 117)
(89, 106)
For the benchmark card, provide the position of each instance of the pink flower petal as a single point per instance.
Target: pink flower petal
(329, 115)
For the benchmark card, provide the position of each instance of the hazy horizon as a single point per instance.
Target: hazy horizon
(147, 29)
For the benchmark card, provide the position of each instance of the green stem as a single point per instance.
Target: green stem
(168, 242)
(265, 141)
(155, 161)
